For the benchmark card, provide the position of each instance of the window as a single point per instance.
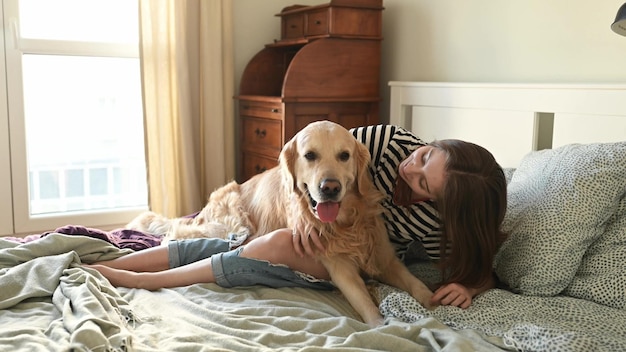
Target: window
(74, 127)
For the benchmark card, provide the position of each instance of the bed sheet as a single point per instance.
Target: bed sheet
(524, 322)
(48, 302)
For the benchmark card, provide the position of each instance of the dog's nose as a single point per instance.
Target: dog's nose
(330, 187)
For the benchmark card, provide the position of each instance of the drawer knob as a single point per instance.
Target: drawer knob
(274, 110)
(260, 133)
(318, 22)
(259, 169)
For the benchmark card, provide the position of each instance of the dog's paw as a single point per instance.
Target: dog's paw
(424, 296)
(429, 305)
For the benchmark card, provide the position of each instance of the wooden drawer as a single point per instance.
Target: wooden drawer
(317, 23)
(263, 109)
(347, 114)
(259, 134)
(253, 164)
(361, 19)
(357, 23)
(293, 26)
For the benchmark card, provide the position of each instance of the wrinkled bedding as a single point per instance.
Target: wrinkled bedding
(564, 267)
(525, 323)
(49, 303)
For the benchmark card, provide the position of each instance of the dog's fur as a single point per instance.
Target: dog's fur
(322, 163)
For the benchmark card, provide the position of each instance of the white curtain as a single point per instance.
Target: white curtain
(187, 67)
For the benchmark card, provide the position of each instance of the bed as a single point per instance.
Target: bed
(564, 262)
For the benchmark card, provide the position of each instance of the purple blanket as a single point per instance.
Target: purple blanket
(121, 238)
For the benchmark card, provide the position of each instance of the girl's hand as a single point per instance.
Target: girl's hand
(452, 295)
(302, 239)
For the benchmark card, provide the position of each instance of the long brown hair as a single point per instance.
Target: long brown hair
(472, 207)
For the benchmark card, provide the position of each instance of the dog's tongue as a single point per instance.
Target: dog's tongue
(328, 211)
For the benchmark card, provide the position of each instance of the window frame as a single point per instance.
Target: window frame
(15, 217)
(6, 206)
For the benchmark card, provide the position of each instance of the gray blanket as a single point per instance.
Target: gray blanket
(48, 302)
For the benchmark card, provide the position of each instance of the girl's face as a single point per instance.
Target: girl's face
(425, 172)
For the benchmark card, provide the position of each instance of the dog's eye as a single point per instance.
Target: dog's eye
(344, 156)
(310, 156)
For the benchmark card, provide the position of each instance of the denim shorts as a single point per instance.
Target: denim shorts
(232, 270)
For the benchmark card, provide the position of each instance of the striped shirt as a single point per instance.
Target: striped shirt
(389, 145)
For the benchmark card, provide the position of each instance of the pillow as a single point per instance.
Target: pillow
(508, 173)
(559, 202)
(601, 276)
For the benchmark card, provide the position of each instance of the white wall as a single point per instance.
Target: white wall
(560, 41)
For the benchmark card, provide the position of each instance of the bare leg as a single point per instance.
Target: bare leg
(198, 272)
(140, 269)
(151, 259)
(277, 248)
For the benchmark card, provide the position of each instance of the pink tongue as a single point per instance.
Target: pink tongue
(328, 211)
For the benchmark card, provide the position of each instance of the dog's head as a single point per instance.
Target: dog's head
(324, 162)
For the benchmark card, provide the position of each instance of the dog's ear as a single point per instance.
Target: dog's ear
(287, 160)
(363, 158)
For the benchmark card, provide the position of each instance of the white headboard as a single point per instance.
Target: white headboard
(511, 119)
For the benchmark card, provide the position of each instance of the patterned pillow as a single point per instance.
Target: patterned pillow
(601, 276)
(559, 202)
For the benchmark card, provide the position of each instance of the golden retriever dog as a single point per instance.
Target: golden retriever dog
(322, 182)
